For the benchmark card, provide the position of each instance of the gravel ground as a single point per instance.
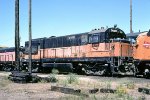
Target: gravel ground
(29, 92)
(41, 91)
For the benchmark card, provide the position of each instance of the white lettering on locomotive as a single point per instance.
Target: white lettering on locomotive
(146, 44)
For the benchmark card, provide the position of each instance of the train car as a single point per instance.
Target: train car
(7, 58)
(100, 51)
(141, 54)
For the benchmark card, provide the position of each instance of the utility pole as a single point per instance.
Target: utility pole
(131, 31)
(30, 39)
(18, 76)
(17, 36)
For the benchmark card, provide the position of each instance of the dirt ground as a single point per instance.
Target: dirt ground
(127, 88)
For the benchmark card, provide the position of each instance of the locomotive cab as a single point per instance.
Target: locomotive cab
(113, 50)
(120, 52)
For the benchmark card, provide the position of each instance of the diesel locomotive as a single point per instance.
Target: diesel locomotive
(141, 54)
(98, 52)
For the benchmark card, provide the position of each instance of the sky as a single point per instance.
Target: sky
(64, 17)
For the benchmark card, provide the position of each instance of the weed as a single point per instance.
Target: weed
(52, 78)
(43, 81)
(121, 91)
(141, 98)
(128, 97)
(130, 85)
(72, 78)
(82, 98)
(94, 97)
(105, 97)
(55, 71)
(108, 85)
(64, 83)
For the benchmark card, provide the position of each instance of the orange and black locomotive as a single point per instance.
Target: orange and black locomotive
(100, 51)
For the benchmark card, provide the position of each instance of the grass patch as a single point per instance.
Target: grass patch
(130, 85)
(128, 97)
(108, 84)
(72, 78)
(63, 82)
(55, 71)
(52, 78)
(121, 91)
(69, 80)
(141, 98)
(4, 81)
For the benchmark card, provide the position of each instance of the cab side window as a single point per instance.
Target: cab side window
(94, 38)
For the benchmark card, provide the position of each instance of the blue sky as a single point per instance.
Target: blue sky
(62, 17)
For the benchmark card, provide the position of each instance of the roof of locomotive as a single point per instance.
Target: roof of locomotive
(100, 30)
(37, 39)
(135, 35)
(97, 31)
(143, 34)
(7, 49)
